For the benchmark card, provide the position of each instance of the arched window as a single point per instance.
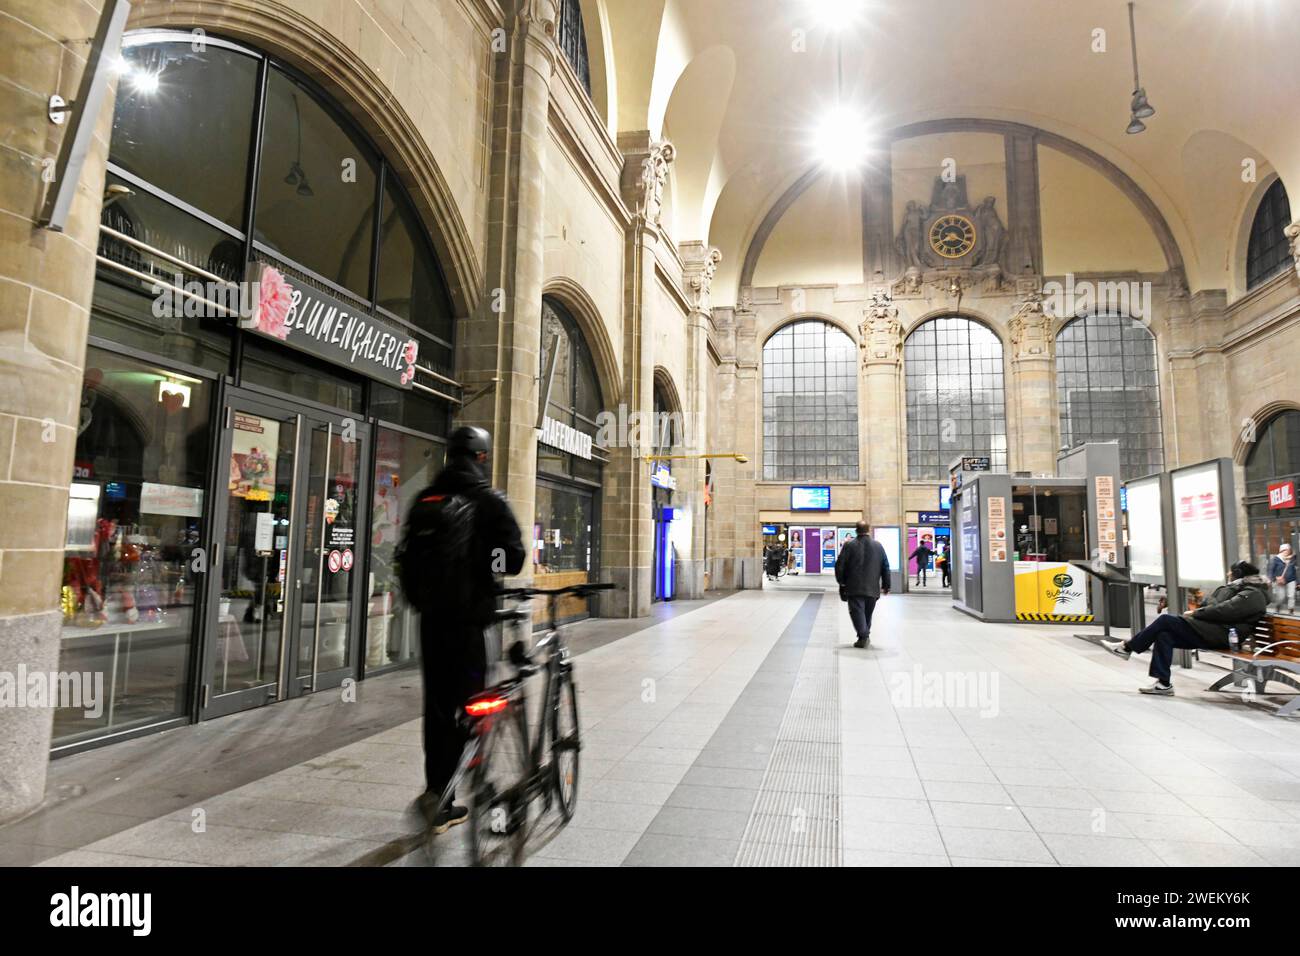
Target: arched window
(573, 41)
(955, 400)
(1269, 252)
(1108, 389)
(1275, 453)
(575, 390)
(810, 404)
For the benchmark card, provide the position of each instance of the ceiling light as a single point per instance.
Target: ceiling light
(835, 14)
(1140, 107)
(841, 139)
(1135, 125)
(144, 81)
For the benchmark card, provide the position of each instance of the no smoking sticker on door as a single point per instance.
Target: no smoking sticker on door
(335, 561)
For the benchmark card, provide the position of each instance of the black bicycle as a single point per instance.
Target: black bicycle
(507, 773)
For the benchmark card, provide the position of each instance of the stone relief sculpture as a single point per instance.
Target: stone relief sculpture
(881, 332)
(654, 176)
(700, 284)
(1030, 328)
(1292, 232)
(970, 237)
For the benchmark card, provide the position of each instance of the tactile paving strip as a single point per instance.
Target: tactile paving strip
(796, 818)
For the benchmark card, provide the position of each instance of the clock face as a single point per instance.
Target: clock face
(952, 236)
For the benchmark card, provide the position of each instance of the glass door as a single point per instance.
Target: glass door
(250, 557)
(331, 553)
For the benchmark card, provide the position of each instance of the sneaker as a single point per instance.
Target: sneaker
(453, 816)
(862, 642)
(1118, 648)
(1158, 690)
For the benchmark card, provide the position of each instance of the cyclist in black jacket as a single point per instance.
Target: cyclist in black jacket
(453, 656)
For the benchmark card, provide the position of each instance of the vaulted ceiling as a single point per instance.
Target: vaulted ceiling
(738, 85)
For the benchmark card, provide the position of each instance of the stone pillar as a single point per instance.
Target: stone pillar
(701, 263)
(1024, 217)
(746, 528)
(881, 422)
(1033, 381)
(502, 338)
(46, 283)
(627, 536)
(1197, 408)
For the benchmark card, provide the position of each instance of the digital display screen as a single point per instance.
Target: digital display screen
(945, 497)
(1146, 545)
(1198, 526)
(810, 498)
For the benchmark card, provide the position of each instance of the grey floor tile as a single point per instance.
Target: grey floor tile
(991, 816)
(1174, 853)
(875, 835)
(662, 849)
(886, 809)
(990, 844)
(694, 821)
(1072, 850)
(882, 858)
(730, 799)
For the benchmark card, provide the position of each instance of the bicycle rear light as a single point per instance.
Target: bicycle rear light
(483, 706)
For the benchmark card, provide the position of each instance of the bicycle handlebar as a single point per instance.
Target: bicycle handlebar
(553, 592)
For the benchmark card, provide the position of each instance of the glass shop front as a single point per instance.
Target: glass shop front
(268, 381)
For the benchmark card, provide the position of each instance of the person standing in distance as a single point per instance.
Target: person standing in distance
(459, 536)
(862, 572)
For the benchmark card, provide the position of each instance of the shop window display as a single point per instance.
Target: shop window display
(130, 587)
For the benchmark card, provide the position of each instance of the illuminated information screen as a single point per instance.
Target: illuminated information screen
(810, 498)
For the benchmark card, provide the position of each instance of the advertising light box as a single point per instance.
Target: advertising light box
(1146, 550)
(891, 539)
(810, 498)
(1198, 525)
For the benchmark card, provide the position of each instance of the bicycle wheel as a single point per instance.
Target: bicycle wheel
(498, 799)
(565, 745)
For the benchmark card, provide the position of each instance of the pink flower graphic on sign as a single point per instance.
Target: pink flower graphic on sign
(408, 354)
(274, 299)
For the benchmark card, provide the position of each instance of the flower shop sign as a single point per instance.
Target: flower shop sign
(328, 328)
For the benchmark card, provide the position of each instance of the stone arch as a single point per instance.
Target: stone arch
(1089, 157)
(1241, 448)
(579, 304)
(963, 313)
(794, 317)
(304, 44)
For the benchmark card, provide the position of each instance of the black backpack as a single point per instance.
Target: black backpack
(435, 558)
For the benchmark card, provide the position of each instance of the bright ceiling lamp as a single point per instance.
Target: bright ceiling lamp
(841, 140)
(835, 14)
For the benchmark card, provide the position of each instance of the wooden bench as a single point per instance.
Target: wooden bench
(1272, 654)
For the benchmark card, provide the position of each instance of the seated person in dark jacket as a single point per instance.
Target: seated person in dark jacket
(1240, 604)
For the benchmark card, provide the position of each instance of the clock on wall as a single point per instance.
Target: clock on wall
(952, 236)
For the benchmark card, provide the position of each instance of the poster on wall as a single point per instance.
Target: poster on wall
(846, 535)
(1198, 526)
(997, 529)
(1146, 530)
(253, 446)
(798, 558)
(829, 549)
(1107, 524)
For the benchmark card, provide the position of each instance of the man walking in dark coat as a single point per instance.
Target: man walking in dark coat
(862, 571)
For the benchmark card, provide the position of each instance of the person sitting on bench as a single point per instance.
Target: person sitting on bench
(1241, 603)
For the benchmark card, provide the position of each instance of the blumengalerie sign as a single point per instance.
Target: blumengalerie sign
(330, 329)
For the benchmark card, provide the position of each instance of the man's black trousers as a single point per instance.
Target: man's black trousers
(453, 661)
(1162, 635)
(860, 611)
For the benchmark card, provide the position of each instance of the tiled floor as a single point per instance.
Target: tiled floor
(748, 730)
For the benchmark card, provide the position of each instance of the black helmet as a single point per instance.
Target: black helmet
(469, 440)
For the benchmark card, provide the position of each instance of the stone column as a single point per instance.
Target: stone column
(746, 528)
(880, 428)
(46, 282)
(627, 535)
(502, 338)
(701, 263)
(1033, 380)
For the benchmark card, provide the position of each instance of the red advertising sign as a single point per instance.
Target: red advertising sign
(1281, 494)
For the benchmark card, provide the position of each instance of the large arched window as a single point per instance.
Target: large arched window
(575, 398)
(955, 400)
(1275, 453)
(1269, 252)
(810, 404)
(572, 39)
(1108, 389)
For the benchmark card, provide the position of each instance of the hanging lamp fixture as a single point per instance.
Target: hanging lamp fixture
(1140, 108)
